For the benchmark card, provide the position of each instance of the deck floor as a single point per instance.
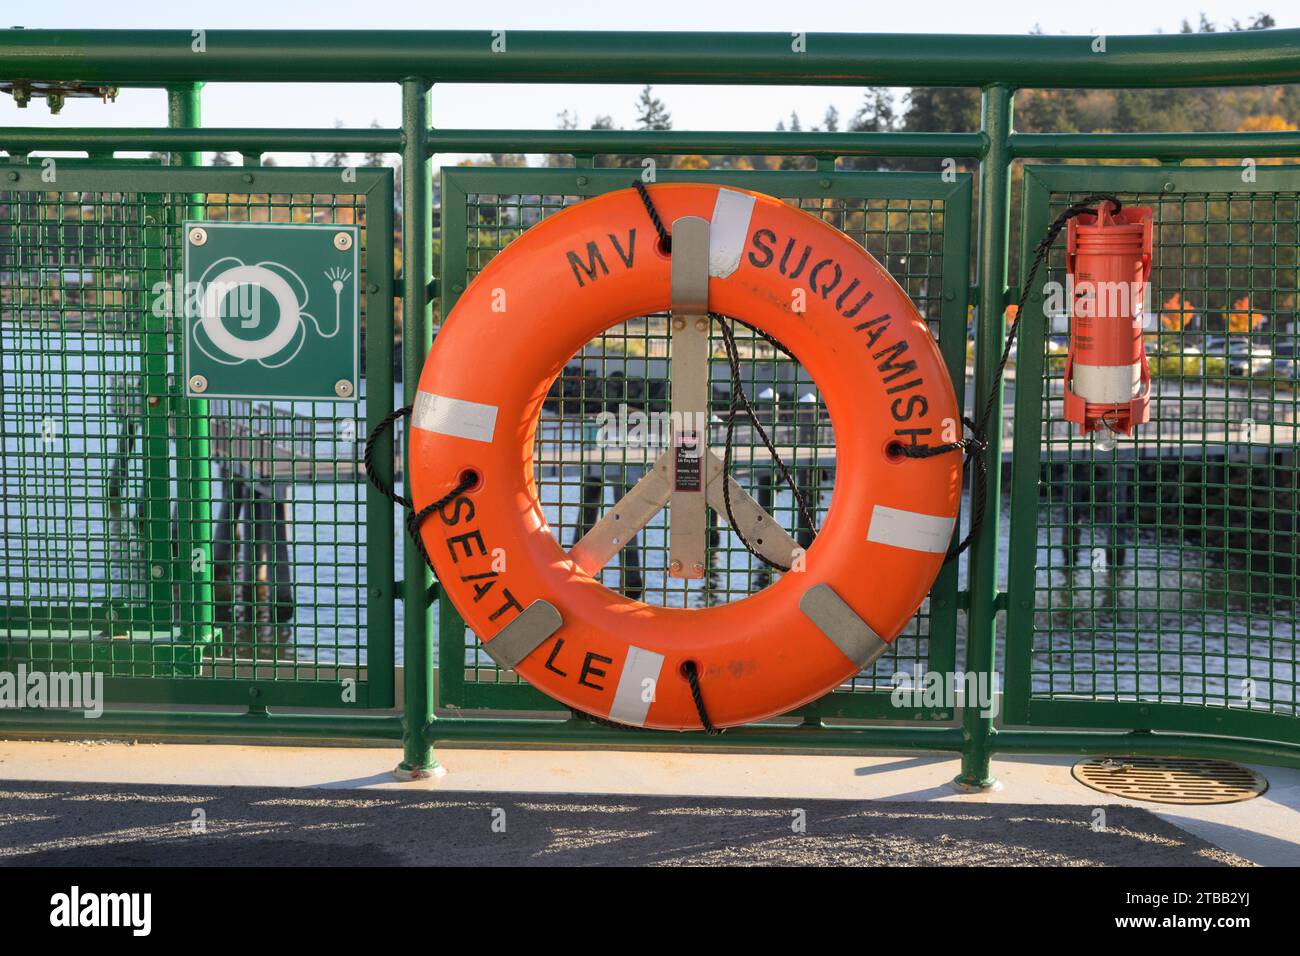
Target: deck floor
(119, 802)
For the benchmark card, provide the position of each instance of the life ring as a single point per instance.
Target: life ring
(891, 518)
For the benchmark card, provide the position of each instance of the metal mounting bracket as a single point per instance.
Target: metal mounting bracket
(687, 505)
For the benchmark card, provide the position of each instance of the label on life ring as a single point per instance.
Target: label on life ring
(688, 466)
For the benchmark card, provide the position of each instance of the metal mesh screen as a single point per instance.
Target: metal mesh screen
(624, 373)
(153, 535)
(1166, 569)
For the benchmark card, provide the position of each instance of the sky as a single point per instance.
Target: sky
(535, 107)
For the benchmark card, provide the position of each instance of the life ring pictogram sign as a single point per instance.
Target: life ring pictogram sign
(884, 538)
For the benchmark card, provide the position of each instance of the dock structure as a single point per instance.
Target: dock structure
(269, 442)
(263, 441)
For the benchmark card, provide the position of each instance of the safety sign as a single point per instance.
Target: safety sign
(272, 310)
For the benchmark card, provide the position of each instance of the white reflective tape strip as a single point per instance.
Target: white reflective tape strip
(728, 231)
(454, 416)
(910, 529)
(633, 697)
(1106, 384)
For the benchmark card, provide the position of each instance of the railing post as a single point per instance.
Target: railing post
(994, 229)
(417, 271)
(193, 565)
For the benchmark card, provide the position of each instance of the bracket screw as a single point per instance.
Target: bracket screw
(342, 241)
(156, 571)
(153, 401)
(343, 388)
(198, 237)
(675, 566)
(198, 383)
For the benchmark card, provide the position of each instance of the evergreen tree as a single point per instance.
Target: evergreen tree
(876, 115)
(940, 109)
(651, 112)
(795, 162)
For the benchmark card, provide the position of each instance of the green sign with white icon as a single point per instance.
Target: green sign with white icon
(272, 310)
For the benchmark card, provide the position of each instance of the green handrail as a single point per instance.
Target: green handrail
(142, 57)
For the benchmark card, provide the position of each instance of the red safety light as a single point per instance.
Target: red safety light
(1107, 381)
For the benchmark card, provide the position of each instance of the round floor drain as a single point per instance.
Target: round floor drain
(1170, 779)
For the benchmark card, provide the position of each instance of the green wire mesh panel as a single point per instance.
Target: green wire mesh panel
(604, 421)
(1163, 573)
(197, 551)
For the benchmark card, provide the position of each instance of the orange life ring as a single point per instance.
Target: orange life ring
(890, 521)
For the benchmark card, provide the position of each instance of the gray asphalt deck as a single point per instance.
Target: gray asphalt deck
(86, 824)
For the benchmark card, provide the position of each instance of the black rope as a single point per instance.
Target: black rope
(693, 678)
(665, 237)
(738, 393)
(769, 340)
(980, 467)
(368, 456)
(978, 441)
(414, 519)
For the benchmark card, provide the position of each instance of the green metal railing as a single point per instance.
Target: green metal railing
(146, 535)
(1154, 586)
(1148, 605)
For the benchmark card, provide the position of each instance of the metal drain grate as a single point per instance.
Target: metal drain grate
(1170, 779)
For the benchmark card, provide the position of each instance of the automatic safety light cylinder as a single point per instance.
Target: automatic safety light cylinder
(1107, 381)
